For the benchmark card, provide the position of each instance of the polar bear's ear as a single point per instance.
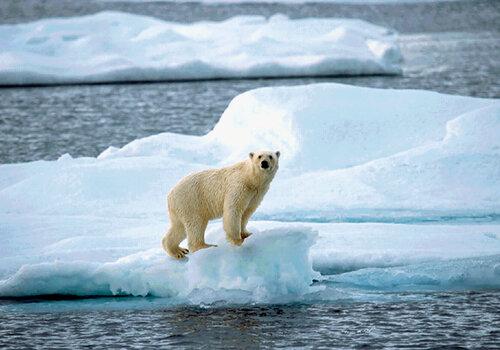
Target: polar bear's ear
(278, 154)
(250, 155)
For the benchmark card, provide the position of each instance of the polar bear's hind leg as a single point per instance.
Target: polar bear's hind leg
(173, 238)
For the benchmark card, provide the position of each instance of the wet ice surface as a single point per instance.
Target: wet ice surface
(408, 320)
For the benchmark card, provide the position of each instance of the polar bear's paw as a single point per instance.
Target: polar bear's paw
(194, 248)
(245, 234)
(177, 253)
(234, 241)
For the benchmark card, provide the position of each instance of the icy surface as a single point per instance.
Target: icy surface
(273, 266)
(398, 152)
(470, 273)
(89, 256)
(139, 48)
(92, 226)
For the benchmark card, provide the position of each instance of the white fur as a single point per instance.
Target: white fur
(233, 193)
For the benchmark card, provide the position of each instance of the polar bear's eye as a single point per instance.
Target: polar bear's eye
(271, 157)
(260, 157)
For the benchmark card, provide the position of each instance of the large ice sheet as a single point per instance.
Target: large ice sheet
(139, 48)
(458, 175)
(346, 152)
(93, 225)
(87, 256)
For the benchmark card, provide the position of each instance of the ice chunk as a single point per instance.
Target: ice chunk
(470, 273)
(140, 48)
(320, 126)
(399, 153)
(347, 247)
(113, 256)
(273, 266)
(461, 172)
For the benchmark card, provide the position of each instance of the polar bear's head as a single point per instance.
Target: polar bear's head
(265, 161)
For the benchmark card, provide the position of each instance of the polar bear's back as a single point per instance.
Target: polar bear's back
(203, 193)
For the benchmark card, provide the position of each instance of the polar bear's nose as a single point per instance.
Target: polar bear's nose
(264, 164)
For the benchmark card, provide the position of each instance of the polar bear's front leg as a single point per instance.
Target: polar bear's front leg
(232, 226)
(234, 204)
(196, 235)
(244, 221)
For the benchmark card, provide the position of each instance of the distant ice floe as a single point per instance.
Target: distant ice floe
(93, 226)
(140, 48)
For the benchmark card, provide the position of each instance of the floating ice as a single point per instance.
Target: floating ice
(139, 48)
(272, 266)
(94, 225)
(89, 257)
(399, 153)
(470, 273)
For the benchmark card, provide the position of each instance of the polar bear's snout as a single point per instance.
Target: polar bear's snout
(265, 160)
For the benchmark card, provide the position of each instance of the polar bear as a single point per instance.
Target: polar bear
(233, 193)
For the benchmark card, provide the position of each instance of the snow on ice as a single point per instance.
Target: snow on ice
(140, 48)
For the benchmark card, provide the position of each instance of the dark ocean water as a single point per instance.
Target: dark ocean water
(442, 320)
(450, 47)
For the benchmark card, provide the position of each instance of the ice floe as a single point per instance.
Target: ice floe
(398, 153)
(279, 263)
(275, 266)
(140, 48)
(458, 274)
(93, 226)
